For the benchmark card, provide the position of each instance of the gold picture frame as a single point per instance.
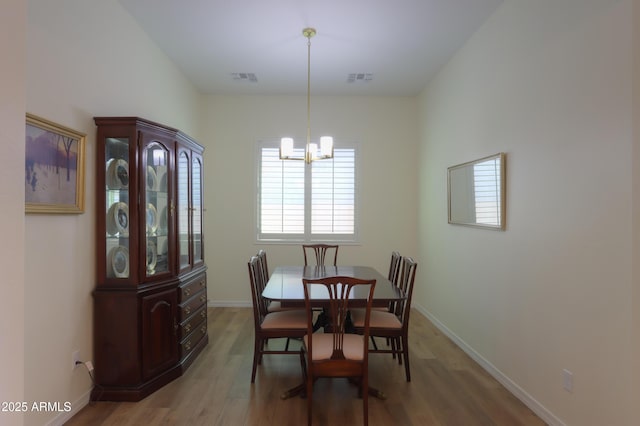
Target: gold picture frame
(54, 167)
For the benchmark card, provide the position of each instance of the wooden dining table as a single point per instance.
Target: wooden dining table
(285, 286)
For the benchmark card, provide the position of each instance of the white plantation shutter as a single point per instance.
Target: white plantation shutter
(281, 195)
(299, 202)
(333, 194)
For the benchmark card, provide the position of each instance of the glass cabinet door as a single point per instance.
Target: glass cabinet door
(196, 176)
(117, 173)
(157, 209)
(182, 169)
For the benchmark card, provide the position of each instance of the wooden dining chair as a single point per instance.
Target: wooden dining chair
(394, 273)
(394, 267)
(264, 267)
(337, 353)
(286, 324)
(273, 305)
(320, 251)
(393, 325)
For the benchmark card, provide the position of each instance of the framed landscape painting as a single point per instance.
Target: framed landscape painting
(54, 167)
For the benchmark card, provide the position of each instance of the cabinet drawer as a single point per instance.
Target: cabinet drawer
(192, 340)
(193, 322)
(193, 304)
(192, 287)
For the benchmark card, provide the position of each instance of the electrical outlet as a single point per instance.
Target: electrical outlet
(75, 358)
(567, 380)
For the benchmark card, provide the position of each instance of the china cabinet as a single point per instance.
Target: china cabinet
(150, 317)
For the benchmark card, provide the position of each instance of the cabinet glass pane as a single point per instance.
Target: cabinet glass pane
(117, 204)
(156, 205)
(197, 209)
(183, 209)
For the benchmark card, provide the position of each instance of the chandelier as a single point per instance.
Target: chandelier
(311, 149)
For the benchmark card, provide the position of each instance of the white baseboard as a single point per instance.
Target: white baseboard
(540, 410)
(76, 406)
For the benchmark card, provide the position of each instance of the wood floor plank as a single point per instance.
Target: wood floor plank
(447, 387)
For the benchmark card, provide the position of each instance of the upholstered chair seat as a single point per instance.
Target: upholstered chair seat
(353, 348)
(379, 319)
(285, 319)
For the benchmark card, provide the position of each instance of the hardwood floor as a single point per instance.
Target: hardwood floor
(447, 387)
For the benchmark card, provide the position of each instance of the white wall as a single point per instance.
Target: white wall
(386, 130)
(84, 59)
(550, 83)
(12, 86)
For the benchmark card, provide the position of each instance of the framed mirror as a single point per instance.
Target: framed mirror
(476, 192)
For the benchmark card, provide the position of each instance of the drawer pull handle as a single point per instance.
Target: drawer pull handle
(187, 310)
(203, 314)
(203, 329)
(187, 328)
(187, 292)
(187, 345)
(203, 298)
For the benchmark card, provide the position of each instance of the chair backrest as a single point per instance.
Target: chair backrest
(320, 251)
(394, 274)
(257, 285)
(405, 283)
(264, 268)
(394, 267)
(339, 293)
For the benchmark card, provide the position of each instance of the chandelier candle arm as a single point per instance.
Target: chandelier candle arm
(311, 149)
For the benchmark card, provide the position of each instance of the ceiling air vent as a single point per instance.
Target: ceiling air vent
(359, 76)
(245, 76)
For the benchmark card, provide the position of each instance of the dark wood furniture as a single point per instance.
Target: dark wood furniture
(291, 323)
(337, 353)
(285, 285)
(394, 272)
(320, 251)
(393, 325)
(150, 317)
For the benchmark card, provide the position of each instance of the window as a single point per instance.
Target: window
(300, 202)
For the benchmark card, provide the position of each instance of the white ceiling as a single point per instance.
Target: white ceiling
(401, 42)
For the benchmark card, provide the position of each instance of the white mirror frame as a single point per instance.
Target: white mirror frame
(476, 193)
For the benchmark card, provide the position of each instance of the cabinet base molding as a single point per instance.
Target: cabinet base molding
(135, 393)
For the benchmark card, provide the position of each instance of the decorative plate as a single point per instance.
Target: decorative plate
(118, 219)
(152, 219)
(119, 260)
(107, 177)
(118, 174)
(152, 257)
(111, 224)
(152, 179)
